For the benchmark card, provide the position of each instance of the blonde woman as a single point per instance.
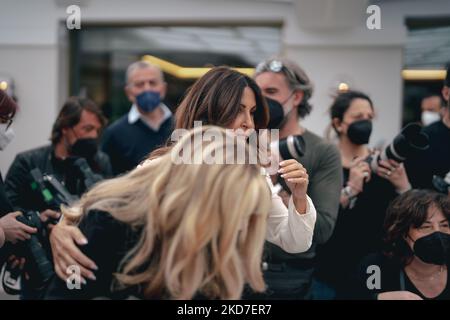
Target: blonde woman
(175, 231)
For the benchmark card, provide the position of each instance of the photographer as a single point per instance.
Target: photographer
(74, 135)
(289, 276)
(365, 193)
(436, 160)
(11, 230)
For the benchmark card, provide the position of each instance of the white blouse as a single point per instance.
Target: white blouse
(286, 228)
(291, 231)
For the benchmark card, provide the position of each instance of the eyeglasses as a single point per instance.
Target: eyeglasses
(277, 66)
(6, 120)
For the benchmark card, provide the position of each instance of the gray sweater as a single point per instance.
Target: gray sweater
(322, 160)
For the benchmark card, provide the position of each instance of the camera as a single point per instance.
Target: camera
(410, 142)
(88, 177)
(36, 250)
(292, 147)
(440, 184)
(38, 265)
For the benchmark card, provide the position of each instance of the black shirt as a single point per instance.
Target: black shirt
(390, 276)
(127, 145)
(358, 231)
(434, 161)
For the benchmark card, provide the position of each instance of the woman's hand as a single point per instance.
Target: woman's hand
(398, 295)
(359, 174)
(15, 230)
(297, 180)
(64, 239)
(395, 173)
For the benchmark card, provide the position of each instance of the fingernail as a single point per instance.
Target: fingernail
(282, 175)
(83, 281)
(84, 241)
(281, 163)
(290, 180)
(94, 267)
(280, 171)
(92, 277)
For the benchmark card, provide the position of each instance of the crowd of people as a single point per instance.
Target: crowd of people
(105, 208)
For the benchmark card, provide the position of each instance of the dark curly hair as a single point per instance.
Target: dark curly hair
(342, 103)
(409, 210)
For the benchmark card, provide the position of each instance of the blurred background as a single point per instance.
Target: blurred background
(42, 62)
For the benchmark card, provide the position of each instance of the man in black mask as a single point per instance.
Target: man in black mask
(74, 136)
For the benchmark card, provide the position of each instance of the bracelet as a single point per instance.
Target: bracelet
(399, 191)
(349, 184)
(348, 192)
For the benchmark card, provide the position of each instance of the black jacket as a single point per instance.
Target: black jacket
(109, 240)
(18, 179)
(5, 206)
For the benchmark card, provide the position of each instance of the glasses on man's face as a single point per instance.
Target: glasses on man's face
(7, 121)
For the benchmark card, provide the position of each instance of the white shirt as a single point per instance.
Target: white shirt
(134, 115)
(291, 231)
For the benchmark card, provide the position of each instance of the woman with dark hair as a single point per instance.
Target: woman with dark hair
(414, 264)
(366, 191)
(232, 100)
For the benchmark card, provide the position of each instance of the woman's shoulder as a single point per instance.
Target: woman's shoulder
(102, 225)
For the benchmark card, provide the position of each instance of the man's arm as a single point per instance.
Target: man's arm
(325, 189)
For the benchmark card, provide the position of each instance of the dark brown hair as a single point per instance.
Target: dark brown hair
(410, 210)
(8, 106)
(70, 115)
(215, 99)
(342, 103)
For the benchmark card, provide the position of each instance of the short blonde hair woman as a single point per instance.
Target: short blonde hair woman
(176, 230)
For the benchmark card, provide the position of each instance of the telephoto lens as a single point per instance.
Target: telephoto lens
(292, 147)
(39, 266)
(410, 142)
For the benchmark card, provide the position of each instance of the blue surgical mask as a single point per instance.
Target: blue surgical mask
(148, 101)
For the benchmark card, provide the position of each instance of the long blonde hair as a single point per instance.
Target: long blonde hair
(203, 225)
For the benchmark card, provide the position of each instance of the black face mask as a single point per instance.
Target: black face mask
(433, 248)
(359, 131)
(84, 148)
(276, 114)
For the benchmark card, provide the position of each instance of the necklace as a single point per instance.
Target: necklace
(430, 278)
